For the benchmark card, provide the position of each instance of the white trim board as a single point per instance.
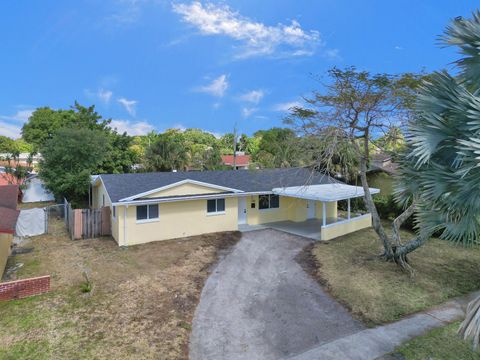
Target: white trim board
(324, 192)
(178, 183)
(192, 197)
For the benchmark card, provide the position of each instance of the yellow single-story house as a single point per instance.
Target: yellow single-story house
(149, 207)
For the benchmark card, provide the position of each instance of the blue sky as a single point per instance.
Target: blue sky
(157, 64)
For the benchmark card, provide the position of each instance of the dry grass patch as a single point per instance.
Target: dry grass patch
(377, 292)
(24, 206)
(141, 305)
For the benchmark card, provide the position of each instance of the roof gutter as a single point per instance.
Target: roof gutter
(187, 198)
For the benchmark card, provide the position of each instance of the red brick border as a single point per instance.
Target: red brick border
(23, 288)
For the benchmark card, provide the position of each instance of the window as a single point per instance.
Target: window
(103, 200)
(114, 211)
(147, 212)
(268, 202)
(215, 206)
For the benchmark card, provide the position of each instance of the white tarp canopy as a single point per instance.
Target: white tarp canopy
(36, 192)
(31, 222)
(325, 192)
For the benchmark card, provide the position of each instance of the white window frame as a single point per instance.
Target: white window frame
(213, 213)
(269, 203)
(114, 212)
(148, 219)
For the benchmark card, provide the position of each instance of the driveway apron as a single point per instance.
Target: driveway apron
(259, 303)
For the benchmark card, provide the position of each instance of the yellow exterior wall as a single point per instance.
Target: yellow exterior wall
(98, 191)
(176, 219)
(5, 244)
(331, 207)
(335, 230)
(290, 209)
(117, 222)
(185, 189)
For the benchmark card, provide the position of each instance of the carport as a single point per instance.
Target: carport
(325, 228)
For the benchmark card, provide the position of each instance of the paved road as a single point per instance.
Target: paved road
(260, 304)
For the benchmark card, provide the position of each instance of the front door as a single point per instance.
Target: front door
(310, 209)
(242, 210)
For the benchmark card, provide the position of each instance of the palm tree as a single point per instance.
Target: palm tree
(443, 166)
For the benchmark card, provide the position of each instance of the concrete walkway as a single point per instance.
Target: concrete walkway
(260, 304)
(374, 343)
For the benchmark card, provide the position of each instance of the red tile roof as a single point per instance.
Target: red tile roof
(8, 179)
(242, 160)
(8, 208)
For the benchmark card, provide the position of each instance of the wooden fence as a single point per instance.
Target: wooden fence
(87, 223)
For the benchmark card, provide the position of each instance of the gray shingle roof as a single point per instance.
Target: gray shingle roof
(120, 186)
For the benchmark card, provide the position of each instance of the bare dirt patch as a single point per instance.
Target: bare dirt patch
(141, 305)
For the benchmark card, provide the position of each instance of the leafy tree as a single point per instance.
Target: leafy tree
(119, 156)
(9, 145)
(44, 122)
(70, 156)
(277, 148)
(323, 152)
(252, 146)
(354, 107)
(442, 172)
(167, 153)
(15, 171)
(198, 136)
(22, 146)
(392, 142)
(226, 144)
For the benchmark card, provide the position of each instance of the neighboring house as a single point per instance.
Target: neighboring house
(381, 171)
(8, 218)
(148, 207)
(8, 179)
(23, 159)
(242, 161)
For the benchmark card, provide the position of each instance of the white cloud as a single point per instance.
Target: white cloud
(21, 115)
(101, 94)
(217, 87)
(253, 96)
(247, 112)
(105, 95)
(286, 106)
(217, 134)
(131, 128)
(179, 127)
(255, 38)
(398, 47)
(11, 125)
(333, 54)
(129, 105)
(12, 131)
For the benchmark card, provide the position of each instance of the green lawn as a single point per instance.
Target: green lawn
(439, 344)
(378, 292)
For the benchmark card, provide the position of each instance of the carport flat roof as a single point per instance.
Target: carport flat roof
(325, 192)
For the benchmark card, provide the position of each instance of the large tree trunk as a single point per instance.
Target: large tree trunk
(376, 222)
(400, 251)
(393, 249)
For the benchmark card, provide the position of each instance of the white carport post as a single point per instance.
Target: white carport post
(348, 212)
(324, 213)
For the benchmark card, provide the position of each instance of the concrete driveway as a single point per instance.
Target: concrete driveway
(260, 304)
